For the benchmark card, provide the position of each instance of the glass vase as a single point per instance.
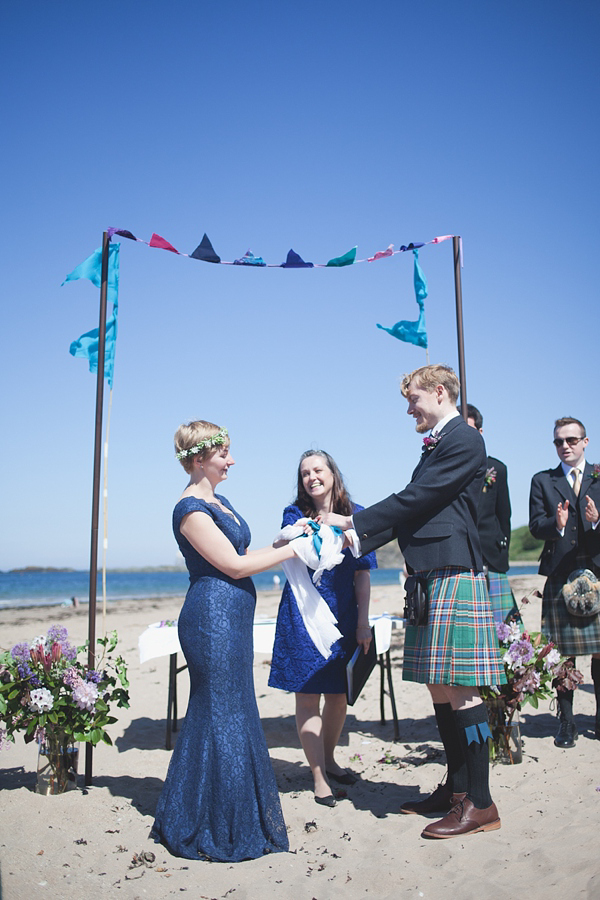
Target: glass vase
(506, 745)
(58, 757)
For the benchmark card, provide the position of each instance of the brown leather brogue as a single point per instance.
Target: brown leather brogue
(464, 819)
(441, 801)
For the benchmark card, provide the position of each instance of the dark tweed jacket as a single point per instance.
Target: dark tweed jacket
(494, 518)
(548, 489)
(435, 517)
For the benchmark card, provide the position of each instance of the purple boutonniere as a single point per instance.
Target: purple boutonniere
(490, 477)
(596, 472)
(430, 443)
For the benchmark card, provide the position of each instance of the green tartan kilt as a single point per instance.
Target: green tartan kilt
(501, 597)
(572, 635)
(459, 644)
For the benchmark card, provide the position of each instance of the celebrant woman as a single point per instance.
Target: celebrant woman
(297, 664)
(220, 798)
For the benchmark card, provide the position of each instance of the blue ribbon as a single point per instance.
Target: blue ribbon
(478, 734)
(316, 537)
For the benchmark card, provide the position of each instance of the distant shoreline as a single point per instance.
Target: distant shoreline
(29, 570)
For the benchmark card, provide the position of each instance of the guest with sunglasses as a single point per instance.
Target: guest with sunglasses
(564, 507)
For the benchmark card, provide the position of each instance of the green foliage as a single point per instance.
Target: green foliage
(523, 545)
(43, 685)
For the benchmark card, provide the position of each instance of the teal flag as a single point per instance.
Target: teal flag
(346, 260)
(91, 268)
(86, 346)
(413, 332)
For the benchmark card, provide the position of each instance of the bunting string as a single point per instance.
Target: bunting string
(205, 252)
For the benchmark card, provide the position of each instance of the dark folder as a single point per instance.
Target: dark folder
(358, 670)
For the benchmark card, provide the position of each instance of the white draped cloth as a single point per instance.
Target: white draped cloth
(318, 619)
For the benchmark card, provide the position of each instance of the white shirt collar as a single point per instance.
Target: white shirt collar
(568, 469)
(441, 424)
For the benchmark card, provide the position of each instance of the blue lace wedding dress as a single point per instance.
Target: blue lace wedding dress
(220, 798)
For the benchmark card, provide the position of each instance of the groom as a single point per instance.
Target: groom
(435, 522)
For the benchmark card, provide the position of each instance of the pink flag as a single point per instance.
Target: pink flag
(159, 242)
(444, 237)
(382, 253)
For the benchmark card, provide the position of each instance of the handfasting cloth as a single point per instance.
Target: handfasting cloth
(321, 552)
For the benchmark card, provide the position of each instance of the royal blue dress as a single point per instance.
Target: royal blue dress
(220, 798)
(297, 665)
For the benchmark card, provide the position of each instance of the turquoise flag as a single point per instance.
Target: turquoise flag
(413, 332)
(91, 268)
(86, 346)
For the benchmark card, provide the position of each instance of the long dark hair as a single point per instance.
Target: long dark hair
(340, 498)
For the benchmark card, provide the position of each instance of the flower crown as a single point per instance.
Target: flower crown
(214, 441)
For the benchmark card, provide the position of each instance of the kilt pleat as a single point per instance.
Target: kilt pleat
(573, 636)
(459, 644)
(501, 597)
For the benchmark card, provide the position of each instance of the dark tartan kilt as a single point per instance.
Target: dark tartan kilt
(572, 635)
(501, 597)
(459, 643)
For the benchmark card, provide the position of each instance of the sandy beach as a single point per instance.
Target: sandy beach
(83, 843)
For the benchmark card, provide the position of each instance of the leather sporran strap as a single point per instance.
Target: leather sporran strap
(416, 603)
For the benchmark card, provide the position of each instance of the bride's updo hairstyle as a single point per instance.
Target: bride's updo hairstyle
(193, 441)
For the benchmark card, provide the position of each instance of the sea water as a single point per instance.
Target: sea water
(20, 589)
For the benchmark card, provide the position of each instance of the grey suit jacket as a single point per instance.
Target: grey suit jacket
(435, 517)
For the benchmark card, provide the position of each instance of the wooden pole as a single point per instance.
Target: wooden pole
(96, 482)
(462, 375)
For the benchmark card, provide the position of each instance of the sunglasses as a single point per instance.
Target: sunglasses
(571, 441)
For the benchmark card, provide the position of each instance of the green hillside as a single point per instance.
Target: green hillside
(523, 545)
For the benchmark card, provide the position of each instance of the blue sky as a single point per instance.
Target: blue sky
(313, 126)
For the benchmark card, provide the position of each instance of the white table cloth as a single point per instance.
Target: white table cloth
(162, 641)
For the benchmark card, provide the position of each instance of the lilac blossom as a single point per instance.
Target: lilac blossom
(25, 671)
(519, 653)
(94, 676)
(503, 631)
(57, 633)
(72, 678)
(68, 650)
(41, 700)
(20, 652)
(85, 695)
